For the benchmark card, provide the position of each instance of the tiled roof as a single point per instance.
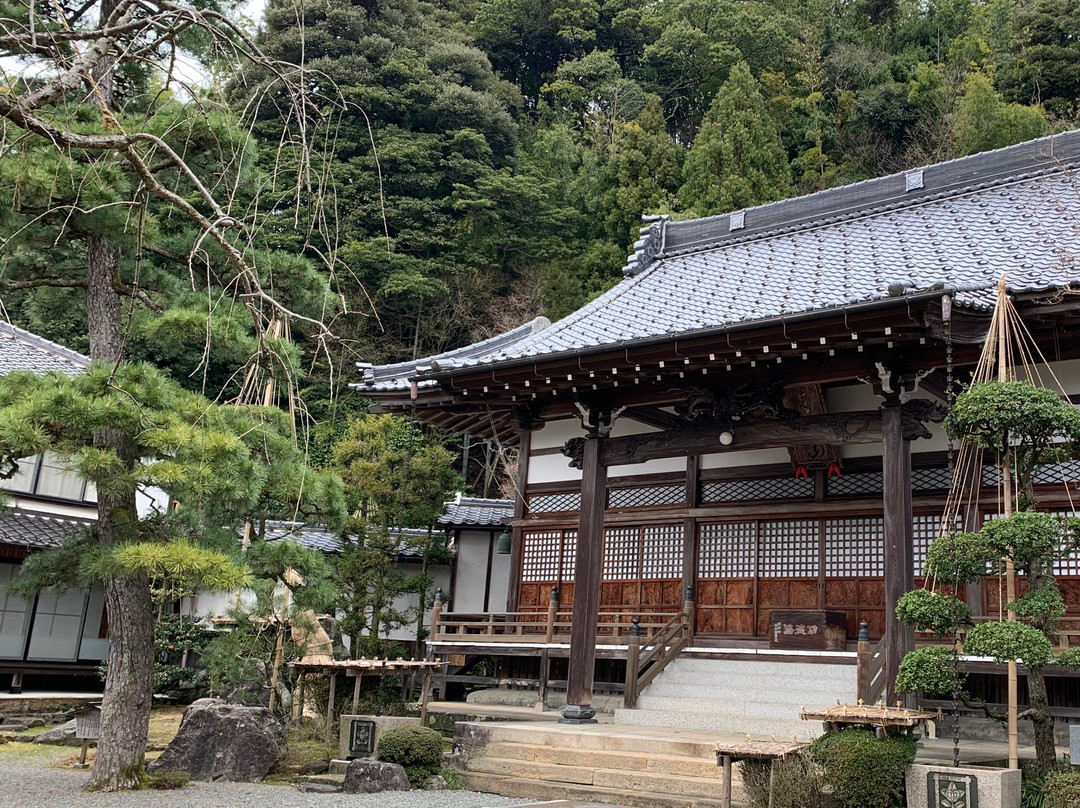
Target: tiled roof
(956, 226)
(21, 350)
(319, 538)
(38, 530)
(385, 378)
(474, 511)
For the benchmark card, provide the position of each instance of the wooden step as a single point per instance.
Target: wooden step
(547, 790)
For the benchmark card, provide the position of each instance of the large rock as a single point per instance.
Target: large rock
(220, 741)
(373, 776)
(63, 735)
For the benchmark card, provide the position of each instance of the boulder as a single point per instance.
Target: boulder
(63, 735)
(221, 741)
(373, 776)
(436, 783)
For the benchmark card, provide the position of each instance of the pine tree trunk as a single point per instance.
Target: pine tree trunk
(125, 709)
(1041, 720)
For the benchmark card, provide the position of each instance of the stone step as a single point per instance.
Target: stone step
(730, 725)
(664, 783)
(624, 761)
(750, 695)
(546, 790)
(839, 677)
(474, 735)
(752, 706)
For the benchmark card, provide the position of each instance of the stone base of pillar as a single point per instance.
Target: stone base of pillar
(576, 714)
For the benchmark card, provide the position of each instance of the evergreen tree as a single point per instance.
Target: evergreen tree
(737, 159)
(983, 121)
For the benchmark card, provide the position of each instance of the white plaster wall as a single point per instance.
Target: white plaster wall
(467, 594)
(552, 469)
(441, 575)
(555, 433)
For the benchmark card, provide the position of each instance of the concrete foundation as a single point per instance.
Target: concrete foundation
(964, 787)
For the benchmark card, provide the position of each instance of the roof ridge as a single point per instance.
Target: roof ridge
(45, 344)
(953, 178)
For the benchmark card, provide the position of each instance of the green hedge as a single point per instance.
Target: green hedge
(1061, 790)
(864, 771)
(417, 749)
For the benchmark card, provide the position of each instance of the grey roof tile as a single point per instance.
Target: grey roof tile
(21, 350)
(40, 531)
(1011, 211)
(476, 512)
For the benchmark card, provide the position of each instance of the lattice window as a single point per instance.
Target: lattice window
(789, 549)
(662, 551)
(555, 503)
(622, 547)
(924, 529)
(864, 482)
(569, 554)
(935, 478)
(540, 556)
(745, 490)
(855, 547)
(726, 550)
(646, 496)
(1047, 474)
(1071, 565)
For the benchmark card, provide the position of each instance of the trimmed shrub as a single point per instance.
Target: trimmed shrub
(167, 779)
(797, 783)
(417, 749)
(1062, 790)
(864, 771)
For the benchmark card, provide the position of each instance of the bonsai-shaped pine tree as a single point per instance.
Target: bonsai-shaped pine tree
(1032, 426)
(128, 428)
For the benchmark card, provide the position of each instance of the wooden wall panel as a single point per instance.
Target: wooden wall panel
(803, 593)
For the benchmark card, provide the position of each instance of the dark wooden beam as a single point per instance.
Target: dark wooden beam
(587, 571)
(899, 555)
(513, 594)
(836, 429)
(653, 416)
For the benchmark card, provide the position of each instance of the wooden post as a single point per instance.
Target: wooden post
(688, 609)
(725, 797)
(633, 666)
(513, 592)
(899, 556)
(552, 614)
(545, 674)
(356, 691)
(589, 560)
(298, 699)
(424, 695)
(436, 614)
(862, 665)
(16, 684)
(330, 702)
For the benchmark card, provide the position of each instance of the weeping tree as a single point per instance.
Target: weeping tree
(129, 429)
(1031, 426)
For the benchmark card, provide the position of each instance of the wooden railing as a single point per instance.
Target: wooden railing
(645, 661)
(870, 671)
(499, 627)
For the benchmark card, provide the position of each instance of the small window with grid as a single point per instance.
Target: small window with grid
(540, 556)
(1069, 565)
(621, 548)
(726, 550)
(662, 551)
(569, 554)
(789, 549)
(855, 547)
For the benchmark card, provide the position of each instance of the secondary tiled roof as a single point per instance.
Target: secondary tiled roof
(476, 512)
(40, 531)
(21, 350)
(319, 538)
(956, 226)
(384, 378)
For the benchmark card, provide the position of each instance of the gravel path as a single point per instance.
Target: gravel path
(30, 786)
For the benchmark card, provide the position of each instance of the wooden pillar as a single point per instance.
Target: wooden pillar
(899, 556)
(689, 555)
(588, 567)
(971, 522)
(513, 594)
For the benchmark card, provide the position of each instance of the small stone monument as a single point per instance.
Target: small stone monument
(963, 787)
(1074, 744)
(359, 733)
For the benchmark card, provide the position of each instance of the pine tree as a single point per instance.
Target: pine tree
(737, 159)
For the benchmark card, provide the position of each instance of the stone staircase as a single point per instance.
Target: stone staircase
(635, 766)
(753, 696)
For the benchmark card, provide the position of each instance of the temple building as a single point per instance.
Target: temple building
(743, 437)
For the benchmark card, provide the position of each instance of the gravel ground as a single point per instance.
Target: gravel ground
(30, 786)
